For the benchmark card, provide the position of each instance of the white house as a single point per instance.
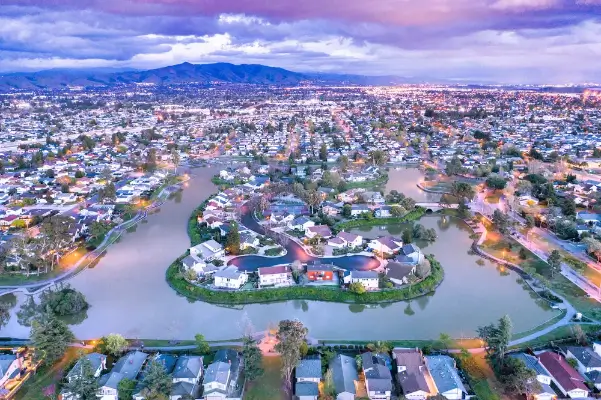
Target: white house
(208, 251)
(350, 239)
(221, 377)
(386, 245)
(369, 279)
(301, 224)
(230, 278)
(274, 276)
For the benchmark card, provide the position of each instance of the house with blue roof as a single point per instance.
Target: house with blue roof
(444, 372)
(308, 375)
(345, 377)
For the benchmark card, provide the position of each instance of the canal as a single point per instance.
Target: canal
(128, 293)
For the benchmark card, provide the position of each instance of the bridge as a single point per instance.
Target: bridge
(432, 207)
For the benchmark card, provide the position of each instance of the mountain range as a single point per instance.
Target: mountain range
(185, 73)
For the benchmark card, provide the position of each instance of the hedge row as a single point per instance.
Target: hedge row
(179, 284)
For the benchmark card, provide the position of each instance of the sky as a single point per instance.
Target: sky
(505, 41)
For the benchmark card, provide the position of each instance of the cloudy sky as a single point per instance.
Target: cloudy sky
(530, 41)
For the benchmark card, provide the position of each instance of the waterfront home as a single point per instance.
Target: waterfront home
(378, 380)
(222, 377)
(208, 251)
(345, 377)
(186, 377)
(359, 209)
(374, 198)
(128, 366)
(230, 278)
(301, 223)
(350, 239)
(386, 245)
(197, 265)
(383, 212)
(10, 369)
(330, 208)
(274, 276)
(411, 254)
(320, 272)
(97, 361)
(542, 376)
(369, 279)
(322, 231)
(446, 378)
(399, 273)
(248, 239)
(566, 378)
(413, 374)
(587, 359)
(308, 375)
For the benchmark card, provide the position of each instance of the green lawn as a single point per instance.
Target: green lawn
(563, 332)
(270, 385)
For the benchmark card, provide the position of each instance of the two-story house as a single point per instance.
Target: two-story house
(221, 380)
(279, 275)
(446, 378)
(308, 375)
(186, 377)
(413, 374)
(566, 378)
(345, 377)
(378, 379)
(230, 278)
(542, 376)
(128, 366)
(208, 251)
(369, 279)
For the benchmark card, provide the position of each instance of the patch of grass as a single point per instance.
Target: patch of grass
(414, 215)
(550, 322)
(561, 333)
(270, 384)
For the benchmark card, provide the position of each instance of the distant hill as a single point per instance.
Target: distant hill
(184, 73)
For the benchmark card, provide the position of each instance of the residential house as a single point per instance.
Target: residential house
(230, 278)
(369, 279)
(386, 245)
(274, 276)
(350, 239)
(446, 378)
(345, 377)
(410, 253)
(542, 376)
(247, 239)
(320, 272)
(199, 266)
(413, 374)
(378, 380)
(566, 378)
(308, 375)
(359, 209)
(322, 231)
(222, 377)
(128, 366)
(301, 223)
(10, 368)
(383, 212)
(97, 361)
(330, 208)
(399, 273)
(208, 251)
(186, 377)
(587, 359)
(167, 361)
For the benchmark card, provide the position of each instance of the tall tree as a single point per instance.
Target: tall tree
(290, 335)
(201, 344)
(463, 191)
(50, 337)
(115, 344)
(518, 379)
(454, 167)
(126, 388)
(496, 338)
(232, 243)
(176, 159)
(82, 384)
(323, 152)
(157, 382)
(378, 157)
(253, 359)
(554, 261)
(501, 221)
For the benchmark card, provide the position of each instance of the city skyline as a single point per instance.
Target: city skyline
(502, 41)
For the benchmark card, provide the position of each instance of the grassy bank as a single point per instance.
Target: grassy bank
(179, 284)
(270, 384)
(565, 332)
(414, 215)
(382, 180)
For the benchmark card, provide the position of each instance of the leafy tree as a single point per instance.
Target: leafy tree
(554, 261)
(397, 211)
(253, 359)
(323, 152)
(496, 182)
(501, 221)
(82, 385)
(232, 242)
(445, 341)
(201, 344)
(357, 288)
(378, 157)
(379, 347)
(50, 337)
(157, 381)
(79, 174)
(115, 344)
(516, 378)
(463, 191)
(463, 211)
(593, 246)
(346, 210)
(407, 236)
(290, 335)
(126, 388)
(151, 161)
(454, 167)
(497, 339)
(423, 269)
(63, 300)
(344, 162)
(568, 207)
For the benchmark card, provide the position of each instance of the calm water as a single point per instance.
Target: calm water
(404, 180)
(128, 293)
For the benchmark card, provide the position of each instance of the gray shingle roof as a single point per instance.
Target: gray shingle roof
(5, 361)
(187, 367)
(444, 373)
(586, 356)
(309, 368)
(306, 389)
(344, 373)
(376, 372)
(95, 360)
